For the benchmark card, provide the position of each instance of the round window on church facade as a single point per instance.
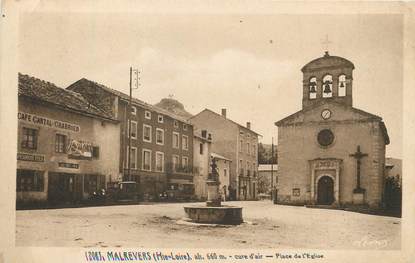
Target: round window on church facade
(325, 137)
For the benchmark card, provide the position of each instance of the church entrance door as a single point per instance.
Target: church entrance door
(325, 191)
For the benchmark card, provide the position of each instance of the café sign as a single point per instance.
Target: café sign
(79, 149)
(30, 157)
(40, 120)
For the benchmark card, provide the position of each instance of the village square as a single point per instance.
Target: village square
(242, 148)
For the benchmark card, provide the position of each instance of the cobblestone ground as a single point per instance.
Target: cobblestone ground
(156, 225)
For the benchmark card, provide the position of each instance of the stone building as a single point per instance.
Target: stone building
(237, 143)
(161, 142)
(67, 148)
(223, 165)
(329, 152)
(202, 141)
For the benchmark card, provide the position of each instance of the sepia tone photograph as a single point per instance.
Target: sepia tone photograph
(200, 131)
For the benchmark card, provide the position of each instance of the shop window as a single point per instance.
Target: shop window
(29, 180)
(90, 183)
(60, 143)
(29, 138)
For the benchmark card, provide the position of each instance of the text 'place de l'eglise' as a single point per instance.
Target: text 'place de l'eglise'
(76, 141)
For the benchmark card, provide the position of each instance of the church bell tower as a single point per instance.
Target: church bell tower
(328, 78)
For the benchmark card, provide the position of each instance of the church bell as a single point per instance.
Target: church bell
(327, 87)
(313, 87)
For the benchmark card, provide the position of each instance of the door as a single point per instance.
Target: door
(61, 187)
(325, 188)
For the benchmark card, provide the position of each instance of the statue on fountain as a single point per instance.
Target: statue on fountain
(213, 195)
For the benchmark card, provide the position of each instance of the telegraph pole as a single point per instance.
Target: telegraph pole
(272, 170)
(129, 125)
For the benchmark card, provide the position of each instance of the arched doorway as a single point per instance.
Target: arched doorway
(325, 191)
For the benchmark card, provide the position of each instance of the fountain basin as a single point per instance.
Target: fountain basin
(227, 215)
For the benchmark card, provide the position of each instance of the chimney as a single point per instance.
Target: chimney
(248, 125)
(204, 134)
(224, 113)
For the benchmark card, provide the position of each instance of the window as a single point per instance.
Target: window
(253, 150)
(185, 142)
(185, 162)
(29, 138)
(159, 162)
(225, 172)
(160, 118)
(325, 137)
(147, 115)
(176, 124)
(29, 180)
(160, 136)
(176, 140)
(184, 127)
(241, 143)
(133, 129)
(95, 152)
(133, 110)
(296, 191)
(241, 169)
(60, 143)
(146, 133)
(247, 148)
(201, 148)
(146, 160)
(133, 157)
(327, 86)
(175, 162)
(90, 183)
(342, 85)
(312, 88)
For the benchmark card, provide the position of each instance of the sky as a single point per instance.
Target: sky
(248, 64)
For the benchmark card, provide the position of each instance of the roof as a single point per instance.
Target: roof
(241, 126)
(88, 83)
(369, 115)
(218, 156)
(267, 167)
(327, 61)
(44, 91)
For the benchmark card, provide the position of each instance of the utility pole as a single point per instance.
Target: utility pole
(130, 107)
(272, 170)
(129, 125)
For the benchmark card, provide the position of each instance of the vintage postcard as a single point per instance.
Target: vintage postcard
(207, 132)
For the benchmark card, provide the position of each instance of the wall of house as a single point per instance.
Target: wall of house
(201, 162)
(99, 133)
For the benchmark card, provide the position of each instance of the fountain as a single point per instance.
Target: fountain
(214, 212)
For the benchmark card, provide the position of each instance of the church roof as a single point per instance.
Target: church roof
(370, 116)
(327, 61)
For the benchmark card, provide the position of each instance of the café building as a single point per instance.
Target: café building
(67, 148)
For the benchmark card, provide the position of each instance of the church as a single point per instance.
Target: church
(330, 153)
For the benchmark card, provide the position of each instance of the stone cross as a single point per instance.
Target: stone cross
(358, 155)
(326, 43)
